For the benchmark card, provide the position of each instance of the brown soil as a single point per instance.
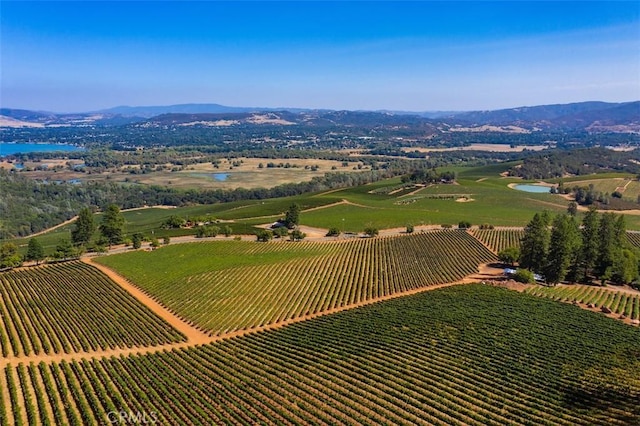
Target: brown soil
(197, 337)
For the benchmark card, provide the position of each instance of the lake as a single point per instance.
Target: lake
(14, 148)
(533, 188)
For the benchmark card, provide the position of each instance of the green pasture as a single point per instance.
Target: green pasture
(492, 202)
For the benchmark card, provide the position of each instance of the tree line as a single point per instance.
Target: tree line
(562, 249)
(558, 163)
(111, 230)
(28, 206)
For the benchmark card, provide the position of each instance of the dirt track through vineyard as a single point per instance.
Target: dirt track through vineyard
(196, 336)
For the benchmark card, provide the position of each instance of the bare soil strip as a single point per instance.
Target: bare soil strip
(53, 228)
(197, 337)
(193, 335)
(326, 206)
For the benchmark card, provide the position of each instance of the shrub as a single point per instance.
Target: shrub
(264, 235)
(333, 232)
(410, 229)
(524, 276)
(280, 232)
(207, 231)
(371, 231)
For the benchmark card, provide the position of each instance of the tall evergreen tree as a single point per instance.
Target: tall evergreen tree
(84, 228)
(564, 242)
(35, 251)
(589, 251)
(112, 226)
(535, 243)
(625, 267)
(608, 246)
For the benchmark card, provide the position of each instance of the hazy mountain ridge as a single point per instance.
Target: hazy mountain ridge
(588, 116)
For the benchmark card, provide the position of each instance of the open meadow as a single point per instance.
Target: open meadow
(232, 173)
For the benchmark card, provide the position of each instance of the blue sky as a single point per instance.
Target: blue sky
(418, 56)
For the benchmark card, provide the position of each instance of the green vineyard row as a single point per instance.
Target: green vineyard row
(73, 307)
(464, 355)
(627, 304)
(289, 280)
(499, 239)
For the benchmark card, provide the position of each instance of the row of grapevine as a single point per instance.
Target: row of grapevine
(323, 276)
(499, 239)
(634, 238)
(465, 355)
(72, 307)
(622, 303)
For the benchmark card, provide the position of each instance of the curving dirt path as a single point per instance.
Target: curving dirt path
(195, 336)
(53, 228)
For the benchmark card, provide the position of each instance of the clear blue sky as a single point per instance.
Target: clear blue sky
(419, 56)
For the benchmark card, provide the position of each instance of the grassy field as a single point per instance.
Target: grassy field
(488, 199)
(229, 174)
(224, 286)
(465, 355)
(72, 307)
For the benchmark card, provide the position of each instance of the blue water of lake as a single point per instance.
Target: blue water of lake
(24, 148)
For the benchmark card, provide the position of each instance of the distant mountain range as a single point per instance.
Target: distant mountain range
(587, 116)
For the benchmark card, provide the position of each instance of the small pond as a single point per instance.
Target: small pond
(221, 177)
(533, 188)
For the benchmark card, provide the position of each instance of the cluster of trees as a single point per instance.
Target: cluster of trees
(575, 162)
(205, 231)
(265, 235)
(29, 206)
(111, 232)
(559, 248)
(426, 176)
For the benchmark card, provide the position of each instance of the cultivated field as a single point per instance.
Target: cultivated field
(465, 355)
(228, 285)
(73, 307)
(385, 204)
(618, 302)
(499, 239)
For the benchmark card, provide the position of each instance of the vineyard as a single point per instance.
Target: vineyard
(227, 285)
(634, 238)
(627, 304)
(499, 239)
(72, 307)
(464, 355)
